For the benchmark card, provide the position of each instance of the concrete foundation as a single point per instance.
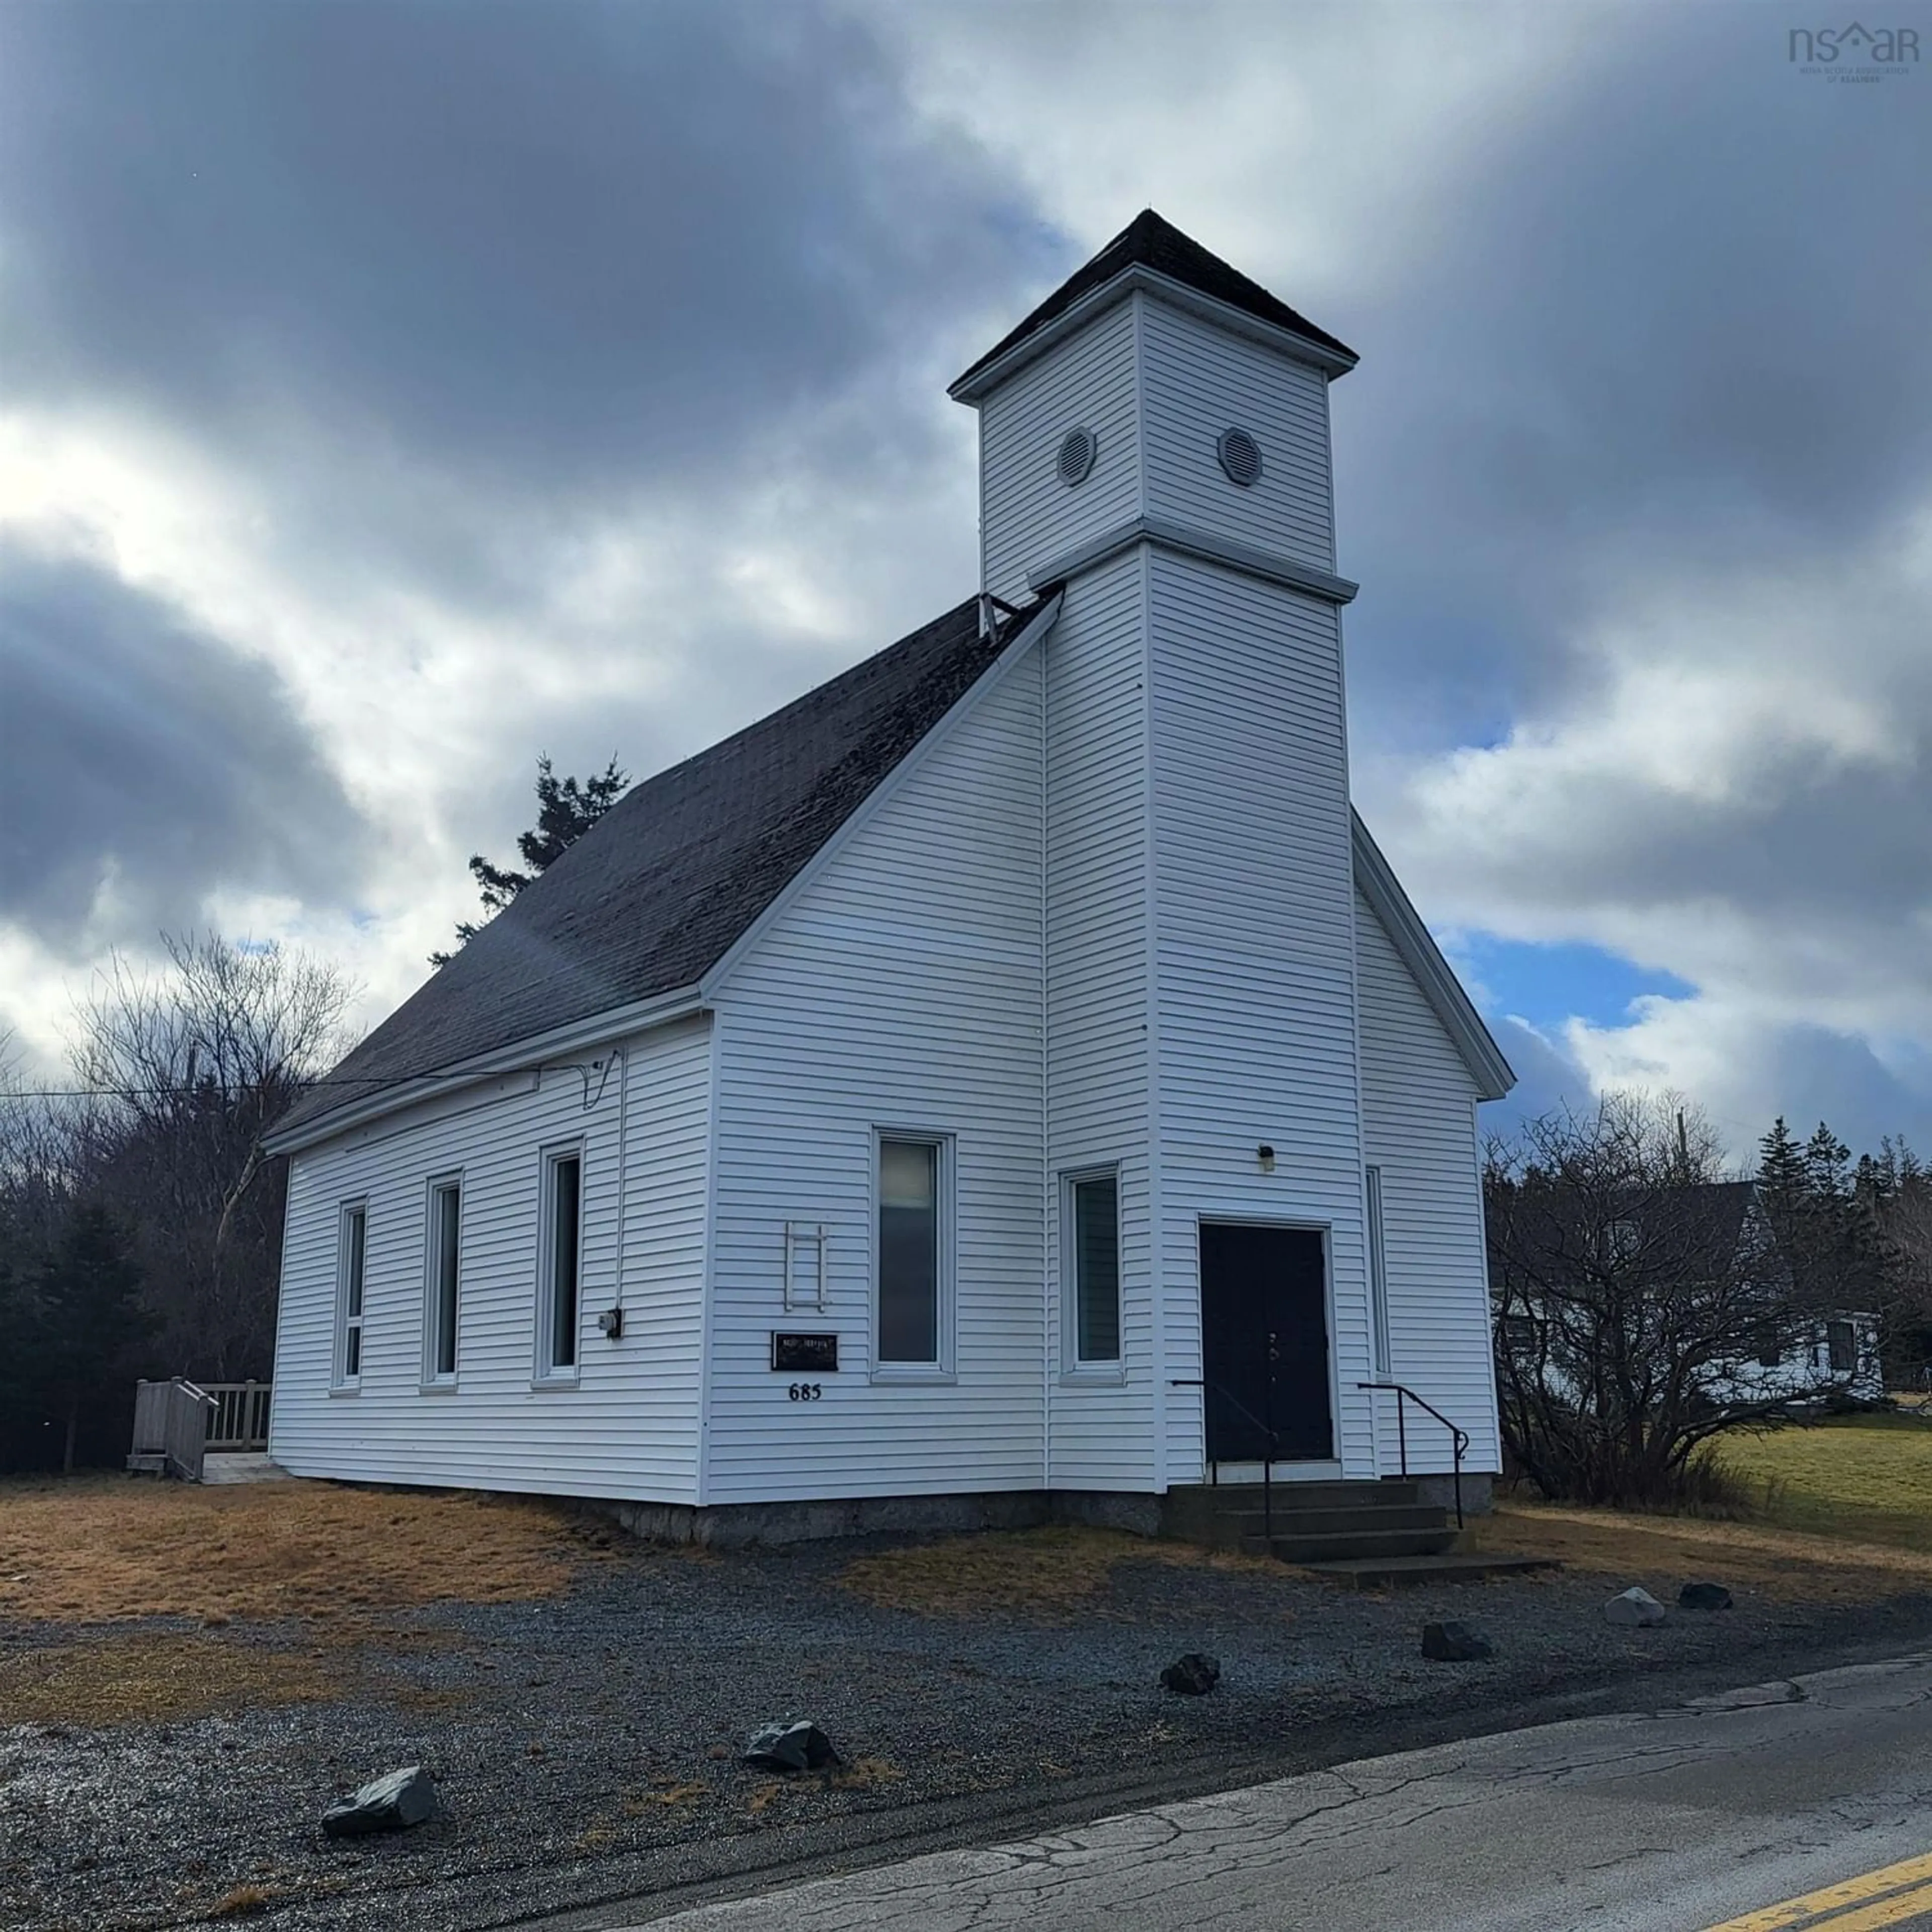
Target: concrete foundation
(1479, 1491)
(738, 1525)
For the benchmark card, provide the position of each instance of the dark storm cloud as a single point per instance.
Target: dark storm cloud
(136, 750)
(536, 246)
(1677, 317)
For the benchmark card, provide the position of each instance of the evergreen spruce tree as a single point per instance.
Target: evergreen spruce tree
(1781, 1173)
(1827, 1181)
(88, 1315)
(566, 809)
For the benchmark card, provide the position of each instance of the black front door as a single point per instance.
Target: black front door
(1264, 1343)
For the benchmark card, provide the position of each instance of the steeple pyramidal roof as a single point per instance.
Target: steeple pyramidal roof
(1152, 242)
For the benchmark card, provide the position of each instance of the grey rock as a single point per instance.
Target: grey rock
(1704, 1597)
(388, 1803)
(788, 1745)
(1453, 1643)
(1192, 1676)
(1635, 1609)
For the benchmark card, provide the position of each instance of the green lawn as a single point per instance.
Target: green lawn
(1864, 1478)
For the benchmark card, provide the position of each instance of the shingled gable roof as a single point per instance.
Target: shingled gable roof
(1151, 241)
(655, 894)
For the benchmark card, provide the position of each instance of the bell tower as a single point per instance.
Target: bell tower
(1159, 391)
(1154, 439)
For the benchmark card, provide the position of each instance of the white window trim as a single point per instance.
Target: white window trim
(544, 1373)
(1380, 1339)
(1072, 1368)
(945, 1369)
(432, 1383)
(340, 1381)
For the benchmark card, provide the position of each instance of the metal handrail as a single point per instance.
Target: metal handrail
(1267, 1429)
(1459, 1438)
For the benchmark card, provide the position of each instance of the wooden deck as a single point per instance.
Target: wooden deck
(242, 1465)
(181, 1428)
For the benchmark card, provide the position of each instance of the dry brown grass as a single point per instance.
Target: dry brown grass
(865, 1773)
(1049, 1574)
(94, 1549)
(665, 1794)
(158, 1679)
(1662, 1552)
(243, 1899)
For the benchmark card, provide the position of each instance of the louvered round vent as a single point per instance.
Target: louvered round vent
(1240, 457)
(1077, 450)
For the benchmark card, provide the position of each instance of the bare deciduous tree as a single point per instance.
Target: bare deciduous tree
(1639, 1296)
(184, 1070)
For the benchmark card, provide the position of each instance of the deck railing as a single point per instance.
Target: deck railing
(240, 1416)
(171, 1428)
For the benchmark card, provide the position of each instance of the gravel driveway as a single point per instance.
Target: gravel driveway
(587, 1747)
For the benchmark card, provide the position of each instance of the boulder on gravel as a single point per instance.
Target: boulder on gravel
(1703, 1597)
(389, 1804)
(1635, 1609)
(790, 1745)
(1192, 1676)
(1453, 1643)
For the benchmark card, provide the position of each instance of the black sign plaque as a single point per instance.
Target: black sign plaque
(805, 1354)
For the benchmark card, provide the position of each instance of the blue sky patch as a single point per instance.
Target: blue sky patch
(1549, 984)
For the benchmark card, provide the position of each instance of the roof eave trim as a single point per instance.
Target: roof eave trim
(1273, 566)
(1035, 628)
(640, 1016)
(982, 380)
(1493, 1075)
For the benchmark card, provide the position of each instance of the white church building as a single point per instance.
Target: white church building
(1009, 1071)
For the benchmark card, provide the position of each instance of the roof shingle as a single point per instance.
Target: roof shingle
(659, 889)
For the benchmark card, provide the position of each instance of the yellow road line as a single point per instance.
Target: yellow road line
(1895, 1910)
(1913, 1872)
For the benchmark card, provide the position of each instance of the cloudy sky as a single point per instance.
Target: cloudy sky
(388, 392)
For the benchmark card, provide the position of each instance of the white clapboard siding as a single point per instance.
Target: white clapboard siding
(1198, 380)
(1102, 1433)
(900, 988)
(1419, 1105)
(1027, 514)
(1254, 919)
(629, 1428)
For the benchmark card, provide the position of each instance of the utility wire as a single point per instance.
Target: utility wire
(368, 1082)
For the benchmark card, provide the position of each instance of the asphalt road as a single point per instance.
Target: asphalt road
(1793, 1804)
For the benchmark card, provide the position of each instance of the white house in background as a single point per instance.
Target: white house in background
(1011, 1068)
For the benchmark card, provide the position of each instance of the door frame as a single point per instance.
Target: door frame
(1290, 1471)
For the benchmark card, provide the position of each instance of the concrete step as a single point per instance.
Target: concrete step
(1221, 1513)
(1374, 1572)
(1348, 1545)
(1326, 1492)
(1294, 1520)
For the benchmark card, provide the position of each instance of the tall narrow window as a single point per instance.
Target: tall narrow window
(559, 1278)
(910, 1279)
(351, 1259)
(1841, 1341)
(1093, 1239)
(445, 1245)
(1378, 1307)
